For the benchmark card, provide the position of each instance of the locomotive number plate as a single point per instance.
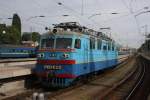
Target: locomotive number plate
(52, 67)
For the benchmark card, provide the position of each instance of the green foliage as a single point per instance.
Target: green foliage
(2, 28)
(16, 24)
(13, 33)
(9, 37)
(26, 36)
(35, 36)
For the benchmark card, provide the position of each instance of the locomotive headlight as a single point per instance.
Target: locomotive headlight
(65, 55)
(41, 55)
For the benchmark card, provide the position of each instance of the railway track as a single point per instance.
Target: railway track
(141, 89)
(121, 90)
(98, 85)
(140, 79)
(134, 86)
(53, 94)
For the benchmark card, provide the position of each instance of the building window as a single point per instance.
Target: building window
(77, 44)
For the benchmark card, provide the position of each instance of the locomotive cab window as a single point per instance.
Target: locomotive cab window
(47, 43)
(77, 44)
(63, 43)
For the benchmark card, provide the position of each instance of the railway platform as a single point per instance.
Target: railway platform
(15, 67)
(13, 73)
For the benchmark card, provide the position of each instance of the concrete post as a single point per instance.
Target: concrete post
(35, 96)
(41, 96)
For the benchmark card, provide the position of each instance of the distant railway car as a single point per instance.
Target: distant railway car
(65, 56)
(122, 58)
(123, 54)
(13, 51)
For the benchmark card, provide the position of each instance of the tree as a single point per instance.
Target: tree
(16, 24)
(2, 28)
(35, 36)
(26, 36)
(12, 33)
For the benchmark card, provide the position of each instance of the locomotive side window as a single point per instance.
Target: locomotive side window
(99, 44)
(109, 45)
(113, 47)
(13, 50)
(63, 43)
(21, 50)
(104, 47)
(92, 43)
(47, 43)
(77, 44)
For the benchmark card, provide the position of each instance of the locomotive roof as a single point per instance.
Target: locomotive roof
(80, 34)
(74, 28)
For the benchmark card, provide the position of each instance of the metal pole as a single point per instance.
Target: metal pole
(31, 32)
(82, 8)
(146, 30)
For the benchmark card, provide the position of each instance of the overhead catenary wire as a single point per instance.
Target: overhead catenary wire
(75, 13)
(132, 13)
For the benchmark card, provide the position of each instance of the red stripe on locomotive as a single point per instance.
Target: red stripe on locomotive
(56, 62)
(45, 74)
(65, 76)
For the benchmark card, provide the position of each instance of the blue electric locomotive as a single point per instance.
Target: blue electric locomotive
(66, 55)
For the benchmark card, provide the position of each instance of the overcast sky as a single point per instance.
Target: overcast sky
(126, 29)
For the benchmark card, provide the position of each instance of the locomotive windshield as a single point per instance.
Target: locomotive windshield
(63, 43)
(47, 43)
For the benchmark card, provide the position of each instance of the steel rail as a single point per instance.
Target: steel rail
(138, 83)
(101, 97)
(81, 83)
(52, 94)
